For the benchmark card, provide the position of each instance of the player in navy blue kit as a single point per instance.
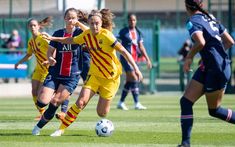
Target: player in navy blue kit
(64, 72)
(211, 40)
(131, 38)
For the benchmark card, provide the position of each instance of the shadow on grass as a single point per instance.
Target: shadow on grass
(79, 135)
(15, 134)
(46, 135)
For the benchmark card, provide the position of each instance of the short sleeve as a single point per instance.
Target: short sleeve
(45, 43)
(193, 27)
(112, 40)
(78, 39)
(222, 29)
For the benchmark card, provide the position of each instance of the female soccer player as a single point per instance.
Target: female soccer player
(104, 74)
(38, 46)
(132, 40)
(210, 40)
(65, 68)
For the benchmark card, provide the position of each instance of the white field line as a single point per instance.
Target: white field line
(12, 66)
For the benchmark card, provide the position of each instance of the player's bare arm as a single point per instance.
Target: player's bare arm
(65, 40)
(143, 51)
(129, 58)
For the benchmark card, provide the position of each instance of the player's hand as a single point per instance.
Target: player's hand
(187, 64)
(149, 64)
(45, 63)
(46, 36)
(139, 75)
(51, 61)
(77, 23)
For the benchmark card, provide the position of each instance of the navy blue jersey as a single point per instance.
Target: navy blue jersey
(125, 37)
(213, 54)
(68, 56)
(130, 39)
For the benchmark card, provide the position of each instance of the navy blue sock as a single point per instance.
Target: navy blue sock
(64, 106)
(125, 91)
(40, 104)
(135, 91)
(186, 119)
(223, 114)
(47, 115)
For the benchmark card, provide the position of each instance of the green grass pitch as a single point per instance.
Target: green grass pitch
(158, 126)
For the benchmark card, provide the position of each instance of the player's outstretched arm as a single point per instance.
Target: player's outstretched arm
(65, 40)
(129, 58)
(25, 58)
(143, 51)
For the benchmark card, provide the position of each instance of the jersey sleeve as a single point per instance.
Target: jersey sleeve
(222, 29)
(45, 43)
(193, 27)
(79, 39)
(112, 40)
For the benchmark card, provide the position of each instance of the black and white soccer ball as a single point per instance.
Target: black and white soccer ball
(104, 128)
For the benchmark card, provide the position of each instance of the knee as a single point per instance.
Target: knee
(56, 101)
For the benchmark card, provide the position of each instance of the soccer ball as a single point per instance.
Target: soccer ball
(104, 128)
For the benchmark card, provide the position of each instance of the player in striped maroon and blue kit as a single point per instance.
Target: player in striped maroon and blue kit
(65, 69)
(210, 40)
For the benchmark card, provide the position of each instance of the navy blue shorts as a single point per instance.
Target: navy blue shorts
(126, 66)
(213, 79)
(69, 83)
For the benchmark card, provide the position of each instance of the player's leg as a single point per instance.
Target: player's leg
(80, 104)
(64, 108)
(74, 110)
(88, 91)
(37, 81)
(103, 106)
(214, 107)
(36, 85)
(107, 91)
(60, 95)
(44, 97)
(128, 69)
(193, 92)
(133, 82)
(134, 87)
(217, 82)
(125, 91)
